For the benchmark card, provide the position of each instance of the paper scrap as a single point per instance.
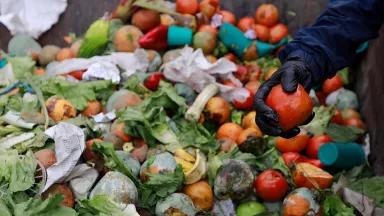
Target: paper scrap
(30, 17)
(103, 118)
(102, 71)
(69, 145)
(130, 63)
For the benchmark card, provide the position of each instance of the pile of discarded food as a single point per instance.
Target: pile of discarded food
(150, 113)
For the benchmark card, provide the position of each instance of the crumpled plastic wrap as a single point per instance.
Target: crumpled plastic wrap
(128, 62)
(193, 69)
(30, 17)
(69, 145)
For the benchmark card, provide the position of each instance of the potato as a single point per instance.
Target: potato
(46, 157)
(48, 54)
(60, 189)
(127, 38)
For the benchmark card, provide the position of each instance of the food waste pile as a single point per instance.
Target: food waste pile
(150, 112)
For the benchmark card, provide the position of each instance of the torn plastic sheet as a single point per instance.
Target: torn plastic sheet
(81, 180)
(128, 62)
(69, 145)
(102, 71)
(104, 118)
(193, 69)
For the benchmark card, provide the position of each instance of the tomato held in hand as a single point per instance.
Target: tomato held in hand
(315, 143)
(294, 144)
(152, 82)
(293, 109)
(271, 185)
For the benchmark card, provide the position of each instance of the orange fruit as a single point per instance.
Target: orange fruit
(246, 23)
(229, 130)
(267, 14)
(262, 32)
(249, 132)
(187, 6)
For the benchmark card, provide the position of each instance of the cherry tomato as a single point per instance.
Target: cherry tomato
(332, 84)
(315, 143)
(271, 185)
(152, 82)
(77, 74)
(243, 100)
(337, 118)
(242, 73)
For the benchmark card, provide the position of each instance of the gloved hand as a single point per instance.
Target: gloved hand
(290, 74)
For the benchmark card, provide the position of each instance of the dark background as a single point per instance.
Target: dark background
(368, 74)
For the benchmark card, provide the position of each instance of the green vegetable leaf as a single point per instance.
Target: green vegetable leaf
(160, 186)
(134, 83)
(95, 39)
(344, 74)
(334, 206)
(79, 94)
(344, 134)
(370, 187)
(22, 67)
(100, 205)
(237, 116)
(17, 172)
(34, 207)
(321, 120)
(113, 161)
(271, 159)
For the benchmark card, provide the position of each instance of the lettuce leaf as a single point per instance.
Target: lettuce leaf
(370, 187)
(100, 205)
(334, 206)
(17, 172)
(22, 67)
(321, 120)
(34, 207)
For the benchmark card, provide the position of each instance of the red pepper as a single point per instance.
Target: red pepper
(155, 39)
(152, 82)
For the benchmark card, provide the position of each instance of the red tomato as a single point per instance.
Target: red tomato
(245, 23)
(152, 82)
(77, 74)
(293, 109)
(242, 73)
(243, 99)
(267, 14)
(294, 144)
(332, 84)
(278, 32)
(315, 143)
(337, 118)
(271, 185)
(291, 158)
(262, 32)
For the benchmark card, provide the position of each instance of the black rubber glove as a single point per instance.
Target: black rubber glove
(290, 74)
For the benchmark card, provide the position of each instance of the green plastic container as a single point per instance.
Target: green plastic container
(179, 36)
(341, 155)
(234, 39)
(264, 49)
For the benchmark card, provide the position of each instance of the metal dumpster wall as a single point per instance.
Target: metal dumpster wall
(368, 76)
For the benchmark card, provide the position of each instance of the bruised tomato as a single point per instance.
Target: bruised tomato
(337, 118)
(293, 109)
(253, 86)
(242, 73)
(267, 14)
(187, 6)
(271, 185)
(332, 84)
(355, 122)
(77, 74)
(315, 143)
(246, 23)
(208, 28)
(152, 82)
(243, 99)
(228, 17)
(218, 110)
(278, 32)
(262, 32)
(294, 144)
